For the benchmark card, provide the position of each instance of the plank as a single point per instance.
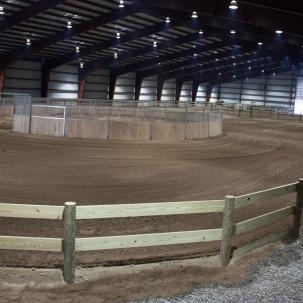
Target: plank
(144, 240)
(31, 211)
(246, 200)
(261, 242)
(298, 210)
(29, 243)
(273, 217)
(148, 209)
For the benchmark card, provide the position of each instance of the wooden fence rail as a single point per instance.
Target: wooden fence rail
(70, 213)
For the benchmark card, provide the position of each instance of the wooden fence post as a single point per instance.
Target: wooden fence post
(228, 230)
(298, 210)
(69, 241)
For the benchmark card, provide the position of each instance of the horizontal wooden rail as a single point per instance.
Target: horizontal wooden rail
(261, 242)
(143, 240)
(31, 211)
(148, 209)
(246, 200)
(275, 216)
(29, 243)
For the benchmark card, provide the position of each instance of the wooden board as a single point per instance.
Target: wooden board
(273, 217)
(261, 242)
(29, 243)
(143, 240)
(245, 200)
(148, 209)
(31, 211)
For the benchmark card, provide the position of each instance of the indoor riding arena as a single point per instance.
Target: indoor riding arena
(151, 151)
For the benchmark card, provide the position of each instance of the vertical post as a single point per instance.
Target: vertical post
(298, 210)
(185, 122)
(64, 122)
(227, 230)
(151, 124)
(69, 241)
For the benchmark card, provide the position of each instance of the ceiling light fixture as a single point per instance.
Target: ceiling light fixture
(116, 55)
(69, 25)
(194, 15)
(167, 20)
(121, 4)
(118, 35)
(200, 32)
(233, 5)
(234, 76)
(155, 44)
(77, 49)
(81, 64)
(28, 42)
(1, 10)
(260, 43)
(279, 31)
(233, 32)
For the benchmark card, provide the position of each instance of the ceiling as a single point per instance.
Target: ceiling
(150, 46)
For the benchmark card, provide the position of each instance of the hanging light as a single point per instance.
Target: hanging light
(118, 35)
(121, 4)
(81, 64)
(116, 55)
(194, 15)
(219, 74)
(155, 44)
(77, 49)
(234, 76)
(2, 10)
(232, 31)
(28, 42)
(279, 31)
(200, 32)
(195, 55)
(69, 24)
(233, 5)
(249, 67)
(260, 43)
(167, 20)
(263, 71)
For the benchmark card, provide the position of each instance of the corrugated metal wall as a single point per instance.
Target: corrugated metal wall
(186, 92)
(201, 94)
(23, 77)
(275, 90)
(169, 90)
(149, 89)
(96, 86)
(214, 94)
(230, 92)
(63, 82)
(125, 87)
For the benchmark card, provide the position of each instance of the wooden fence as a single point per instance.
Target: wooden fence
(70, 213)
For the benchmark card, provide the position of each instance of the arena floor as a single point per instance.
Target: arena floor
(252, 155)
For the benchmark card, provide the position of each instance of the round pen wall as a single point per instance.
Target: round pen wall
(134, 124)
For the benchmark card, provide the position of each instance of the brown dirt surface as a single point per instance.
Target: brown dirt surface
(253, 155)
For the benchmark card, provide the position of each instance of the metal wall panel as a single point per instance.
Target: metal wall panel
(125, 87)
(23, 77)
(201, 94)
(169, 90)
(63, 82)
(186, 92)
(96, 86)
(149, 89)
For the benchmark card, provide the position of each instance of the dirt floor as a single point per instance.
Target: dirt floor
(253, 155)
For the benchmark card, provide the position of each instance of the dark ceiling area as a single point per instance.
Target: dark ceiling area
(191, 40)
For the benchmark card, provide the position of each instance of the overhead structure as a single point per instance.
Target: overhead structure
(194, 40)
